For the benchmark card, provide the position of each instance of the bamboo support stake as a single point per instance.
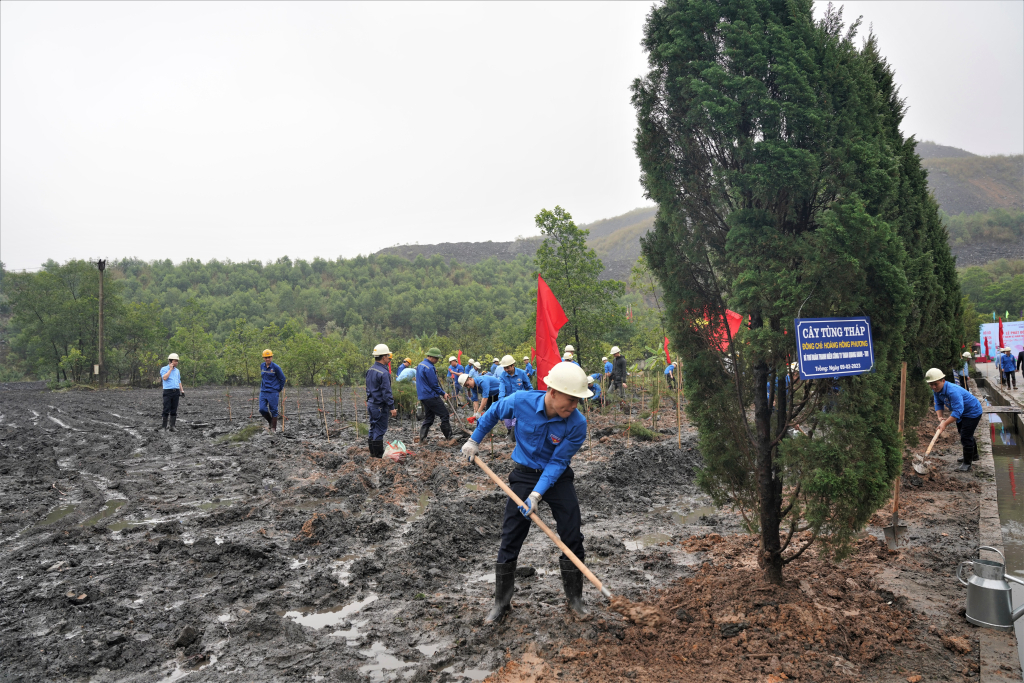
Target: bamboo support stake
(327, 430)
(284, 404)
(229, 405)
(629, 415)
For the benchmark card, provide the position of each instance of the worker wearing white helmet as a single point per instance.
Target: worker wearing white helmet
(1008, 368)
(455, 368)
(618, 373)
(494, 368)
(528, 368)
(173, 390)
(510, 380)
(380, 403)
(551, 430)
(964, 409)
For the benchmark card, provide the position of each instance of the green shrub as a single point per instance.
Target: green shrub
(243, 434)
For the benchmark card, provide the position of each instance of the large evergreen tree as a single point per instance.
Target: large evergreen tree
(772, 149)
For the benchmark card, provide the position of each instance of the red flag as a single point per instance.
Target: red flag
(718, 336)
(533, 353)
(668, 359)
(459, 354)
(1001, 333)
(550, 319)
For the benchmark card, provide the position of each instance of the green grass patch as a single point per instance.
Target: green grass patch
(362, 429)
(243, 434)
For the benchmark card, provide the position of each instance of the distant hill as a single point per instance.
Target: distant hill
(962, 182)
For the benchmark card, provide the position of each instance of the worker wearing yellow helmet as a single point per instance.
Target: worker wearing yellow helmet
(272, 381)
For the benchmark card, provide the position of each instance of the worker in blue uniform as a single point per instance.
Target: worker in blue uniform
(608, 367)
(272, 381)
(170, 375)
(493, 372)
(487, 388)
(432, 397)
(670, 376)
(964, 409)
(510, 380)
(455, 369)
(1008, 366)
(380, 404)
(594, 384)
(550, 431)
(528, 369)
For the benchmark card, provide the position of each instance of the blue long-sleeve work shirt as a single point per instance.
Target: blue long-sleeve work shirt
(378, 386)
(670, 368)
(487, 385)
(454, 371)
(529, 370)
(607, 367)
(510, 384)
(427, 385)
(272, 378)
(1007, 363)
(961, 403)
(406, 375)
(542, 442)
(494, 368)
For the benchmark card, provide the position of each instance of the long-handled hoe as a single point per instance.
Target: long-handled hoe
(643, 615)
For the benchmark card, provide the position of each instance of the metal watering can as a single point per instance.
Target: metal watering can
(989, 600)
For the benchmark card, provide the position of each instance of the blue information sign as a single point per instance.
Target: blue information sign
(834, 347)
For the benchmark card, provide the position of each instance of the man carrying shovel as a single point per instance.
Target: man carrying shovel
(964, 409)
(549, 432)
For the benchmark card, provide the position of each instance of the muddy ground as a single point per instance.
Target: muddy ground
(130, 554)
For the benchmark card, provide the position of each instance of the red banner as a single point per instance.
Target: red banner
(668, 358)
(550, 319)
(459, 354)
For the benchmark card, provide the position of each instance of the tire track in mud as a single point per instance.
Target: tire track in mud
(285, 557)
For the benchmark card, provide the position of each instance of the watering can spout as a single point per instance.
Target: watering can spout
(1017, 613)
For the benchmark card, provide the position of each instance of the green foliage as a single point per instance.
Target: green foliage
(640, 433)
(996, 286)
(571, 269)
(310, 357)
(75, 365)
(243, 434)
(1002, 225)
(198, 351)
(404, 394)
(785, 189)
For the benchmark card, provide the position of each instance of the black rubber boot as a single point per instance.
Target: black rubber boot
(162, 428)
(174, 418)
(504, 585)
(377, 449)
(423, 433)
(572, 584)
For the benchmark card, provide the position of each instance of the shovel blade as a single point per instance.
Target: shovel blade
(896, 536)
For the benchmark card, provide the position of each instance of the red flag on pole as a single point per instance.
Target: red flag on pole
(550, 319)
(459, 354)
(1001, 333)
(668, 358)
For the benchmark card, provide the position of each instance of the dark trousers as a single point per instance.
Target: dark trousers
(561, 497)
(1009, 376)
(671, 382)
(966, 427)
(619, 387)
(171, 397)
(488, 402)
(435, 407)
(962, 379)
(378, 420)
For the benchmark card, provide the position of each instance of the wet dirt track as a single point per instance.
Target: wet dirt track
(129, 554)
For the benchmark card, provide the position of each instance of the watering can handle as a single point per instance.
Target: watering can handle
(988, 547)
(960, 568)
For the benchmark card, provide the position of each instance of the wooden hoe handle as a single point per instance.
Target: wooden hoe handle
(544, 527)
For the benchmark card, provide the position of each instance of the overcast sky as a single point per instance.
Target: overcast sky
(253, 130)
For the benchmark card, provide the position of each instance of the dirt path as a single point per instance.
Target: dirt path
(132, 555)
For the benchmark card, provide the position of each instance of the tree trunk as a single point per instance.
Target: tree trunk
(769, 485)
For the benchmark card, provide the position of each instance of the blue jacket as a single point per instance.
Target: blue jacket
(960, 402)
(542, 442)
(271, 379)
(378, 386)
(596, 388)
(487, 385)
(607, 367)
(670, 368)
(406, 375)
(510, 384)
(427, 385)
(454, 371)
(529, 370)
(494, 368)
(1006, 363)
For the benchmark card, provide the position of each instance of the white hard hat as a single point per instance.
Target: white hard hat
(570, 379)
(934, 375)
(462, 380)
(590, 380)
(471, 361)
(381, 350)
(526, 358)
(173, 356)
(507, 361)
(476, 364)
(966, 354)
(567, 356)
(569, 347)
(495, 360)
(604, 357)
(615, 349)
(452, 358)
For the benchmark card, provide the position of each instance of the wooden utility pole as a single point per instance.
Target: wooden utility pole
(679, 422)
(102, 265)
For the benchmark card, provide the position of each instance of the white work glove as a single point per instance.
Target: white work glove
(529, 505)
(470, 449)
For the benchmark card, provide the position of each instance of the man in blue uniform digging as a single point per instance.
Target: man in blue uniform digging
(549, 431)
